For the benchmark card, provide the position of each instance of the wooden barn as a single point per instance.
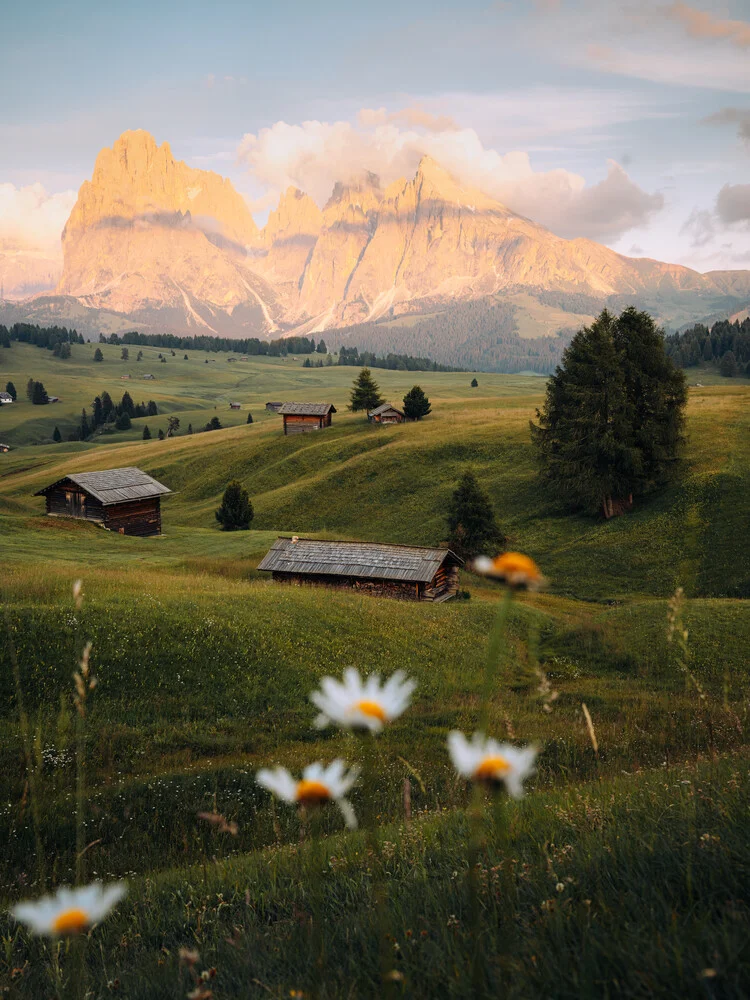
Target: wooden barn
(124, 500)
(409, 572)
(302, 417)
(386, 414)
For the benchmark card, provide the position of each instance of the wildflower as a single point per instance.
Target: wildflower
(486, 760)
(319, 784)
(516, 569)
(357, 704)
(70, 911)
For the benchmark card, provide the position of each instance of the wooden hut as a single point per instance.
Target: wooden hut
(124, 500)
(386, 414)
(302, 417)
(409, 572)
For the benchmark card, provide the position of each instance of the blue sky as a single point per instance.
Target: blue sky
(621, 121)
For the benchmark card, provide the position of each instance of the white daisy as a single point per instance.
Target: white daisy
(70, 911)
(484, 759)
(319, 784)
(357, 704)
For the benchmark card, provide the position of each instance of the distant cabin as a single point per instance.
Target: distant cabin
(124, 500)
(5, 397)
(274, 407)
(386, 414)
(53, 399)
(4, 447)
(151, 377)
(302, 417)
(235, 406)
(409, 572)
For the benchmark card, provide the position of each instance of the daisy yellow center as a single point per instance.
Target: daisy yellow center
(491, 767)
(312, 792)
(372, 709)
(516, 564)
(70, 922)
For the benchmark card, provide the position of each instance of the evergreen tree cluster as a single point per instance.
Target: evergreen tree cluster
(392, 362)
(250, 345)
(416, 403)
(106, 413)
(699, 345)
(51, 337)
(611, 425)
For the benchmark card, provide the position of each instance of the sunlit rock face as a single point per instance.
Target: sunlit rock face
(155, 239)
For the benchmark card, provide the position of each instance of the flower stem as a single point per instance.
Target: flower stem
(495, 650)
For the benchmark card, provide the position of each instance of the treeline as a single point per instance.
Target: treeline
(726, 345)
(251, 345)
(393, 362)
(54, 338)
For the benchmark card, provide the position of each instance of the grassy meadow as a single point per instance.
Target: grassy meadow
(625, 871)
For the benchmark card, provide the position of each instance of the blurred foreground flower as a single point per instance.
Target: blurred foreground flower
(319, 784)
(485, 760)
(357, 704)
(514, 568)
(70, 911)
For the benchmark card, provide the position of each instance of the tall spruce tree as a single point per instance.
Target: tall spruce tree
(611, 424)
(472, 527)
(56, 435)
(39, 395)
(365, 393)
(236, 511)
(11, 390)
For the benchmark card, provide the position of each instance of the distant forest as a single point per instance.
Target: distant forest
(394, 362)
(726, 345)
(250, 345)
(479, 335)
(51, 337)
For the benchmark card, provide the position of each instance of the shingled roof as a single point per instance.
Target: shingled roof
(113, 485)
(373, 560)
(384, 408)
(307, 409)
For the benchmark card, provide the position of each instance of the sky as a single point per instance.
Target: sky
(624, 121)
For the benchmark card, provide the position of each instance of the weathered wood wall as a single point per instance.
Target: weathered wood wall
(296, 423)
(375, 588)
(74, 502)
(137, 517)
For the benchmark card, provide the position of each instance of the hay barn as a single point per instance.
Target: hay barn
(124, 500)
(386, 414)
(409, 572)
(302, 417)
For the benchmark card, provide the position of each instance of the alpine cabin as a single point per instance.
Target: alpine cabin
(302, 417)
(409, 572)
(124, 500)
(386, 414)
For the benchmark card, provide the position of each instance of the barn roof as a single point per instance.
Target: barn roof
(374, 560)
(308, 409)
(113, 485)
(384, 409)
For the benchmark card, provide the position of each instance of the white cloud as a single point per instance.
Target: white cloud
(314, 155)
(733, 203)
(32, 218)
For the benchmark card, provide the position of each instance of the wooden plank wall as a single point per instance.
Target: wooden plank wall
(137, 517)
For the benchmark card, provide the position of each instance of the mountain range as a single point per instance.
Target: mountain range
(156, 244)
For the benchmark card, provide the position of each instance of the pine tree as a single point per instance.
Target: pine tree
(108, 407)
(11, 390)
(161, 434)
(611, 424)
(146, 433)
(321, 348)
(365, 393)
(728, 366)
(127, 405)
(474, 383)
(236, 511)
(124, 354)
(39, 395)
(30, 389)
(249, 418)
(56, 435)
(97, 412)
(123, 422)
(151, 409)
(416, 404)
(472, 527)
(98, 356)
(85, 429)
(185, 358)
(190, 428)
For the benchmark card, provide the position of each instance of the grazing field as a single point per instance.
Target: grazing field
(204, 670)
